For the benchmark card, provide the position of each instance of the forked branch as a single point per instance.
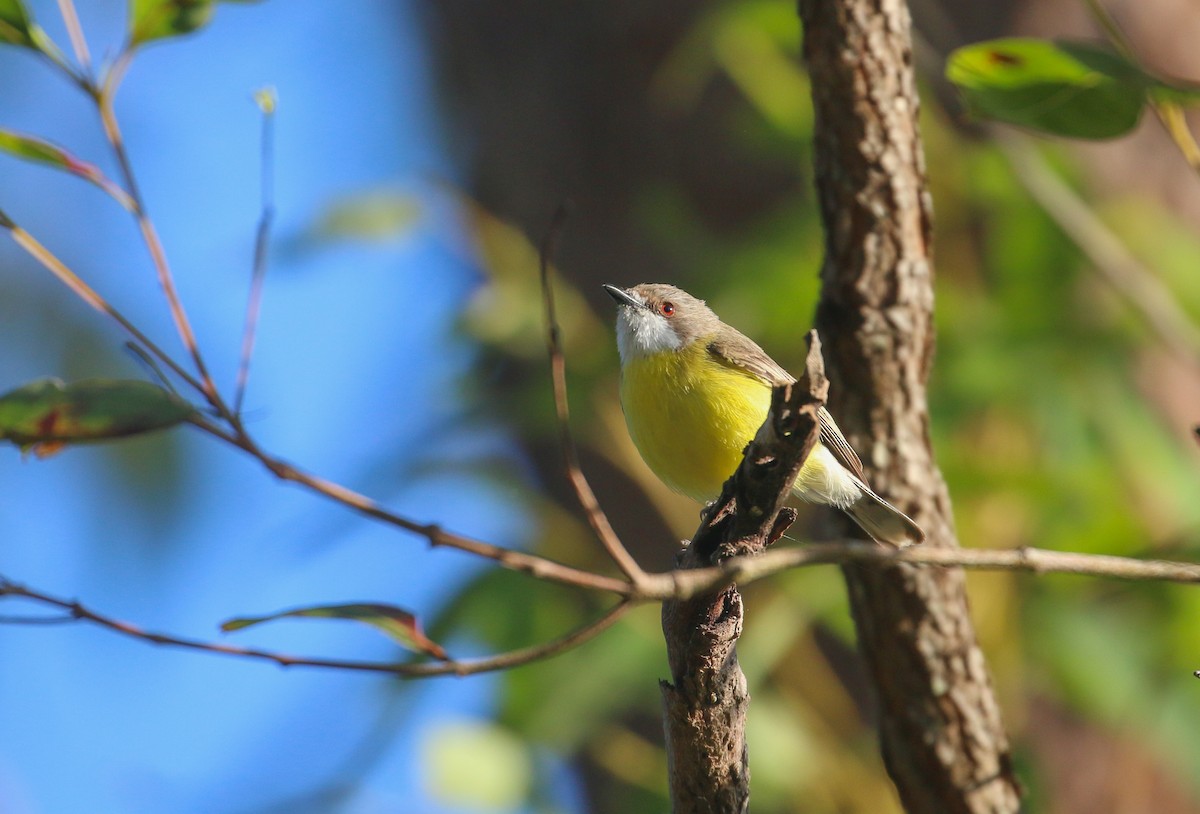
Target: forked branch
(705, 703)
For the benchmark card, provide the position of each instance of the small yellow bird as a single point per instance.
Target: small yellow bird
(695, 391)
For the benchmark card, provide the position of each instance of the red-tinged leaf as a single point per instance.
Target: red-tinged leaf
(397, 623)
(41, 151)
(46, 414)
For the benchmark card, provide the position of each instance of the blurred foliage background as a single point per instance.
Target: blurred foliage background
(681, 132)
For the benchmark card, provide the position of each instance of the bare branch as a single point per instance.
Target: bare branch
(513, 658)
(677, 585)
(104, 97)
(745, 570)
(583, 490)
(535, 566)
(706, 701)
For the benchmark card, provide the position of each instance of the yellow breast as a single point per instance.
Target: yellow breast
(691, 417)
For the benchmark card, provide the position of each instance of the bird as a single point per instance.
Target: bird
(694, 392)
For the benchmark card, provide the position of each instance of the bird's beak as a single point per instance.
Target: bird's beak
(622, 297)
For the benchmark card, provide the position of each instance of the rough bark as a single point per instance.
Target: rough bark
(704, 705)
(939, 723)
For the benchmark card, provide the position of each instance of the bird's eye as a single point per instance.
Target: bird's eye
(667, 309)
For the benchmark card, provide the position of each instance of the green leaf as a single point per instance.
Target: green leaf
(1065, 89)
(47, 414)
(16, 26)
(40, 151)
(397, 623)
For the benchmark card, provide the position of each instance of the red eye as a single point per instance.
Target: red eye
(667, 309)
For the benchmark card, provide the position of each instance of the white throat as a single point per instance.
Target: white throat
(643, 333)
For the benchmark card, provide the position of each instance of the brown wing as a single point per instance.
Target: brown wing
(734, 349)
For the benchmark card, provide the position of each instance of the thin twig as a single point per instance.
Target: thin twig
(515, 658)
(532, 564)
(502, 661)
(146, 359)
(89, 295)
(1113, 31)
(579, 482)
(75, 31)
(37, 620)
(104, 97)
(1140, 287)
(262, 239)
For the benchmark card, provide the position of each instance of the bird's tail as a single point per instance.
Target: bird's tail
(883, 521)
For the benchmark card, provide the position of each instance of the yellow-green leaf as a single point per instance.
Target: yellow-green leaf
(397, 623)
(47, 414)
(158, 19)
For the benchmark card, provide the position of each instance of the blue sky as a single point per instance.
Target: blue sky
(356, 367)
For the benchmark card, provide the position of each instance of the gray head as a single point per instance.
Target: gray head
(655, 317)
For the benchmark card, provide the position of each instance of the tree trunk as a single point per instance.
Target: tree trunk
(939, 724)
